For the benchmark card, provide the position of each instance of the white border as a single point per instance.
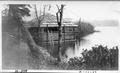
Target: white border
(56, 2)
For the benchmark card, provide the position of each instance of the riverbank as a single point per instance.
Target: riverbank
(19, 58)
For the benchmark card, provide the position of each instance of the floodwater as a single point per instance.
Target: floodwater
(107, 36)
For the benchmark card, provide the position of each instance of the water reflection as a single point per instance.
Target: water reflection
(108, 36)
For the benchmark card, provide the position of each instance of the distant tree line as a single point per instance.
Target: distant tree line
(83, 29)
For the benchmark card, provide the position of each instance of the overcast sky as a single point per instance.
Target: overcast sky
(93, 10)
(88, 11)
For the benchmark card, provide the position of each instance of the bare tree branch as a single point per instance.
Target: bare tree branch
(59, 16)
(43, 16)
(40, 17)
(40, 12)
(36, 13)
(61, 12)
(58, 7)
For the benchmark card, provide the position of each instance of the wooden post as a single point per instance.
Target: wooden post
(64, 35)
(69, 32)
(73, 33)
(47, 37)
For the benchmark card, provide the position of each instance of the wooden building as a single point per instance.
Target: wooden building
(49, 31)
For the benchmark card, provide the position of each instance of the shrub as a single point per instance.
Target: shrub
(98, 58)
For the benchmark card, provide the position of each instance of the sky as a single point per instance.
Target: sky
(93, 10)
(87, 11)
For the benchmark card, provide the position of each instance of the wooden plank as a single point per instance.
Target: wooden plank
(62, 40)
(69, 32)
(62, 32)
(47, 43)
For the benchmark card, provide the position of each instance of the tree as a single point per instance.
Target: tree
(59, 15)
(40, 16)
(15, 18)
(17, 12)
